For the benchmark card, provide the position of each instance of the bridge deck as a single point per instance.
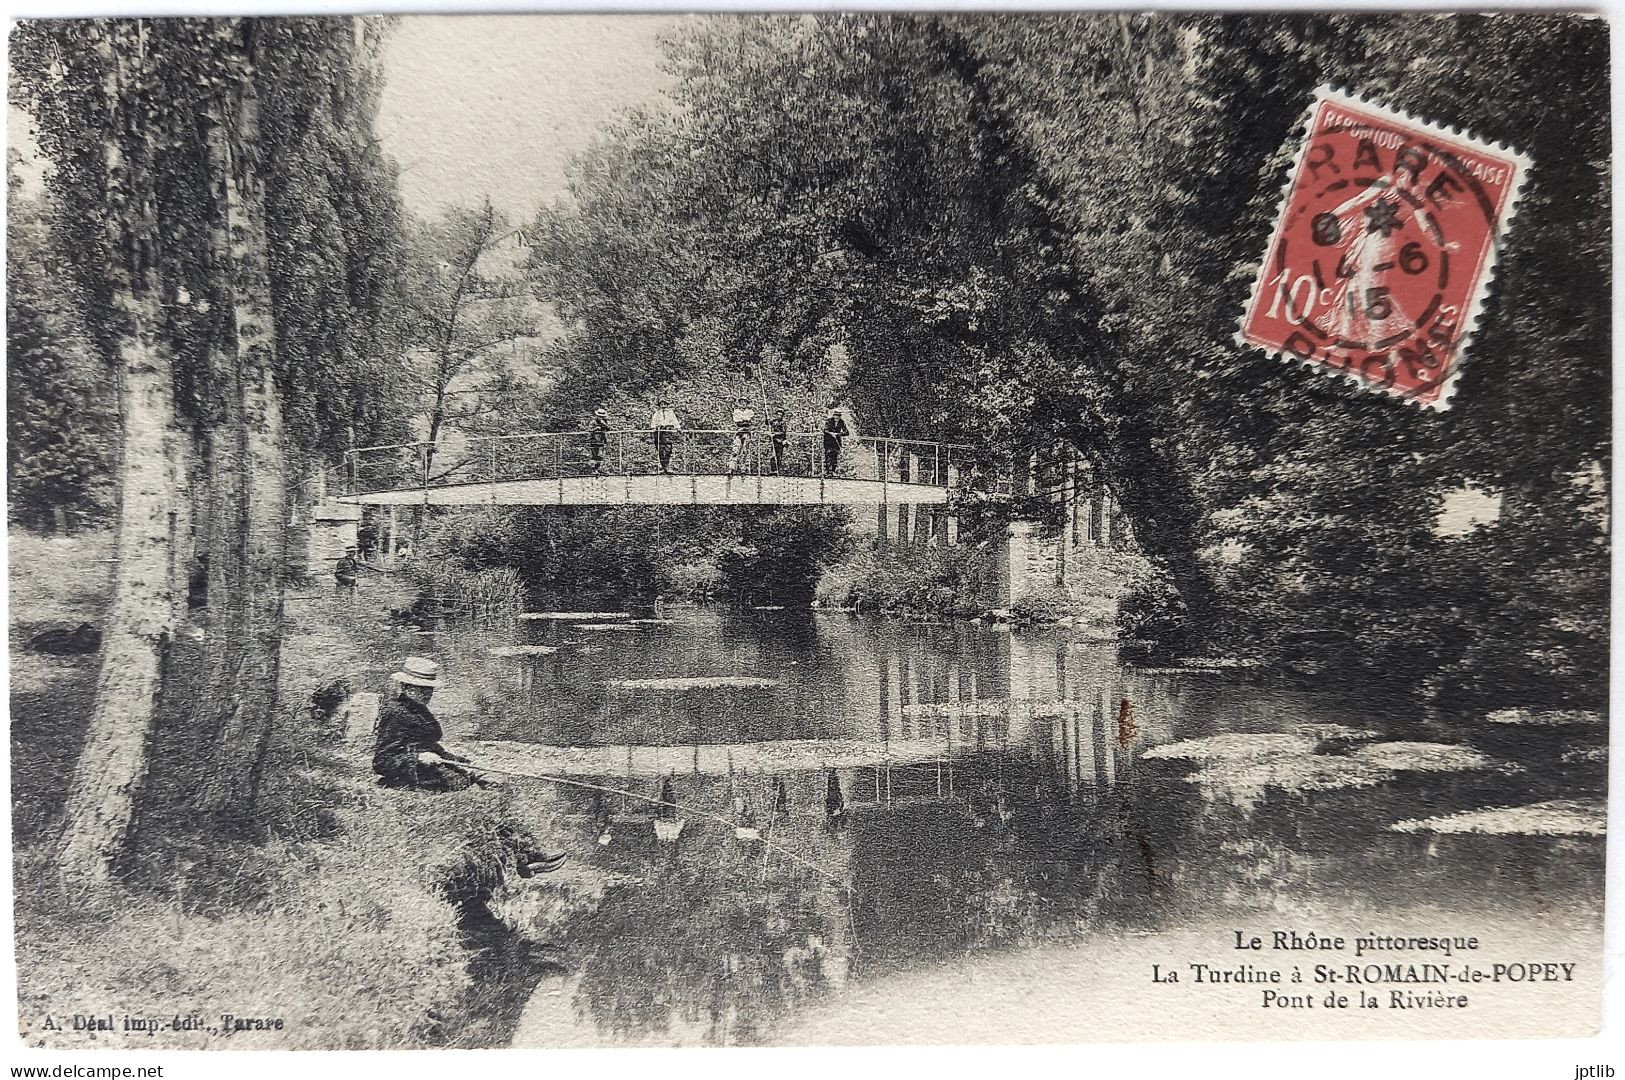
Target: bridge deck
(659, 490)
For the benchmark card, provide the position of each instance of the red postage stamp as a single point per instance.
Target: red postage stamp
(1383, 248)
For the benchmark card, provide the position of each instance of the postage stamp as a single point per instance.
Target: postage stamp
(1383, 249)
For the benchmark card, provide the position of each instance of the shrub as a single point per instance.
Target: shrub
(489, 591)
(919, 580)
(1045, 604)
(696, 579)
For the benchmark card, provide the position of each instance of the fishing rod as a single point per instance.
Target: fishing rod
(786, 852)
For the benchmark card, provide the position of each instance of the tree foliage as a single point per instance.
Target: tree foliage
(1018, 229)
(470, 320)
(60, 423)
(332, 201)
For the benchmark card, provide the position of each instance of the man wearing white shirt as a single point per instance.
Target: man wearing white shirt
(744, 420)
(666, 426)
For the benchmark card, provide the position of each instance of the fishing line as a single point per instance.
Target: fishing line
(786, 852)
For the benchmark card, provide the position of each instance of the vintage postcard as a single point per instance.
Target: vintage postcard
(860, 527)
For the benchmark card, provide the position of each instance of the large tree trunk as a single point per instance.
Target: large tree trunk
(251, 447)
(136, 634)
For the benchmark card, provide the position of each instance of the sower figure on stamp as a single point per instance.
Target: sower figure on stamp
(1367, 232)
(408, 753)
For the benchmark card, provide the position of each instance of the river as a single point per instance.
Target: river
(875, 810)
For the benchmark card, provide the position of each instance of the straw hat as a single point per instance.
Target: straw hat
(418, 671)
(600, 412)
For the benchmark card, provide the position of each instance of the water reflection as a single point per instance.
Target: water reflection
(862, 796)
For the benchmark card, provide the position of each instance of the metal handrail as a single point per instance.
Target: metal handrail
(755, 430)
(636, 451)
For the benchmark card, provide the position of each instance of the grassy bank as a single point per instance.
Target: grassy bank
(354, 918)
(52, 582)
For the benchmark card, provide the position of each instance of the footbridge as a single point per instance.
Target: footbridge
(910, 487)
(653, 468)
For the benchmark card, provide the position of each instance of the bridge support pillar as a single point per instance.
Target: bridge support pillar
(1026, 569)
(392, 531)
(333, 526)
(1026, 563)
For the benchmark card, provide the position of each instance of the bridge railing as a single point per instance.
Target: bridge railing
(570, 454)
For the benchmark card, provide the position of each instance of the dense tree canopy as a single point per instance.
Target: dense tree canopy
(231, 232)
(1029, 228)
(331, 198)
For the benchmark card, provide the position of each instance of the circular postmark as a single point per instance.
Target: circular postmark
(1378, 262)
(1381, 248)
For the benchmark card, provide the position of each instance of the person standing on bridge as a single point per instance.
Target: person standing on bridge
(744, 418)
(666, 426)
(835, 432)
(598, 439)
(778, 430)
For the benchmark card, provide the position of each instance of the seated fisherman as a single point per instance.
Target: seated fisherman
(408, 753)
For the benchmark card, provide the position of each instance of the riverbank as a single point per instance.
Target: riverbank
(361, 918)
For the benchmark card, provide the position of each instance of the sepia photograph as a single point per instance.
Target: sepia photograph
(842, 528)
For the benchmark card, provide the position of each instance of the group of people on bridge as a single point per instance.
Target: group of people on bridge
(667, 428)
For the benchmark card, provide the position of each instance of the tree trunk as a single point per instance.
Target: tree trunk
(252, 447)
(139, 623)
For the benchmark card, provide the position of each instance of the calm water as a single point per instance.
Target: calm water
(993, 793)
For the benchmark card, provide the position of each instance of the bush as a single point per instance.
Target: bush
(451, 586)
(918, 580)
(697, 579)
(781, 554)
(1043, 605)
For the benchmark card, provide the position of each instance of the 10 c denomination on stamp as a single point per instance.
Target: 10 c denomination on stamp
(1383, 248)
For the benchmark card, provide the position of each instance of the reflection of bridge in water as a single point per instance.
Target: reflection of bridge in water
(1081, 740)
(926, 734)
(650, 468)
(990, 729)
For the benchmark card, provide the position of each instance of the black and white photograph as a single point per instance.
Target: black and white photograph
(797, 529)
